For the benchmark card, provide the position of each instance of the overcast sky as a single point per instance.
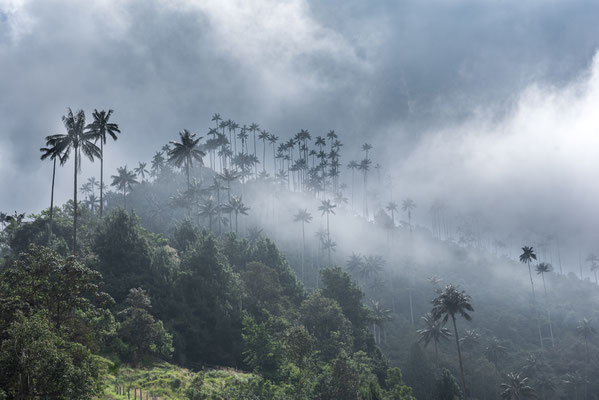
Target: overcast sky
(489, 104)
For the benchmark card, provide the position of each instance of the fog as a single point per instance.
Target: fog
(486, 108)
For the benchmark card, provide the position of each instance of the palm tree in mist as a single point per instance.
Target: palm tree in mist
(594, 261)
(209, 209)
(586, 331)
(54, 153)
(542, 269)
(304, 217)
(392, 208)
(101, 128)
(528, 254)
(124, 180)
(353, 166)
(326, 207)
(365, 167)
(81, 142)
(141, 170)
(380, 316)
(236, 207)
(407, 206)
(184, 152)
(451, 302)
(434, 330)
(517, 388)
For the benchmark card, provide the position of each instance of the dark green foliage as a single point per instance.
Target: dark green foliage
(324, 319)
(395, 385)
(262, 351)
(36, 362)
(447, 387)
(419, 374)
(140, 331)
(123, 253)
(263, 290)
(340, 380)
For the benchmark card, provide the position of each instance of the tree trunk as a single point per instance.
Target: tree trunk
(457, 343)
(303, 250)
(51, 203)
(101, 177)
(548, 311)
(75, 205)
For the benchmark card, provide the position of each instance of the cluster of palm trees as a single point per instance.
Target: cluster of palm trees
(80, 140)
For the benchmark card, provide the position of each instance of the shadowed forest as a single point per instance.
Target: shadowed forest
(292, 259)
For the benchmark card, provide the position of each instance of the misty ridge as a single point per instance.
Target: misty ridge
(339, 201)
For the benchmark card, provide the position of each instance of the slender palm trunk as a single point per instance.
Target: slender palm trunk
(75, 204)
(263, 155)
(457, 343)
(548, 311)
(187, 173)
(236, 231)
(436, 354)
(534, 304)
(101, 177)
(328, 240)
(124, 199)
(51, 202)
(303, 250)
(411, 309)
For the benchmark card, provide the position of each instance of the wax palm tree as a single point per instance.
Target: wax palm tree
(326, 207)
(586, 331)
(54, 152)
(236, 207)
(528, 254)
(517, 388)
(184, 152)
(407, 206)
(101, 128)
(542, 269)
(304, 217)
(81, 142)
(494, 351)
(92, 202)
(141, 170)
(124, 180)
(93, 182)
(434, 330)
(380, 315)
(470, 338)
(157, 163)
(365, 167)
(209, 209)
(392, 208)
(451, 302)
(354, 263)
(264, 136)
(371, 266)
(594, 261)
(228, 176)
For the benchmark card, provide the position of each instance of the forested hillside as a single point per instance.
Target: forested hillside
(246, 251)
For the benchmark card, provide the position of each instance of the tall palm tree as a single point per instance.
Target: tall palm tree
(517, 388)
(92, 202)
(392, 208)
(54, 152)
(264, 136)
(184, 152)
(586, 331)
(528, 254)
(542, 269)
(236, 207)
(380, 316)
(124, 181)
(81, 142)
(407, 206)
(326, 207)
(304, 217)
(451, 302)
(101, 128)
(141, 170)
(365, 167)
(209, 209)
(434, 331)
(228, 176)
(594, 261)
(494, 351)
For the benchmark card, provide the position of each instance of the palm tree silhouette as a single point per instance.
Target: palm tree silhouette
(237, 207)
(326, 207)
(594, 261)
(517, 388)
(451, 302)
(92, 202)
(380, 316)
(407, 206)
(304, 217)
(80, 141)
(141, 170)
(392, 208)
(184, 152)
(54, 152)
(542, 269)
(124, 180)
(101, 128)
(494, 351)
(528, 254)
(586, 331)
(434, 331)
(157, 163)
(364, 167)
(209, 209)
